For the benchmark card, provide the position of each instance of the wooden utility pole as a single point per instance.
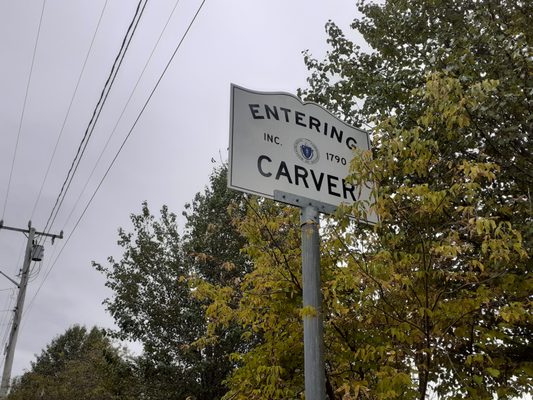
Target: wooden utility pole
(33, 253)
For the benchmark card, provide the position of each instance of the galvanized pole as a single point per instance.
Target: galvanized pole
(315, 385)
(6, 375)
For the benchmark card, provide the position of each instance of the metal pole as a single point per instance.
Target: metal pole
(6, 375)
(315, 385)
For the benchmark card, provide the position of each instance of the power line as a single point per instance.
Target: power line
(68, 110)
(92, 122)
(121, 114)
(96, 113)
(23, 110)
(7, 323)
(116, 155)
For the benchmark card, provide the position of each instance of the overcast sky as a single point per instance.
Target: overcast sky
(168, 157)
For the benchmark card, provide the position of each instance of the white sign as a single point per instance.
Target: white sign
(278, 143)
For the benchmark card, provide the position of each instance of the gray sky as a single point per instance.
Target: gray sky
(255, 44)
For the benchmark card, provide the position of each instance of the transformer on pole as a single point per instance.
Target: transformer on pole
(34, 252)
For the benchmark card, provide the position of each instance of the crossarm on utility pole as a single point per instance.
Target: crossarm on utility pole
(10, 349)
(46, 234)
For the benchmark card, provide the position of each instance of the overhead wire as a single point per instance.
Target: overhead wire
(96, 114)
(9, 304)
(88, 132)
(23, 110)
(121, 115)
(116, 155)
(10, 297)
(8, 322)
(92, 123)
(68, 110)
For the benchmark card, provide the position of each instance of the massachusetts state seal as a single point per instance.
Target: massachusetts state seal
(306, 151)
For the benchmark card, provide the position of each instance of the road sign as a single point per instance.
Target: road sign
(280, 145)
(297, 153)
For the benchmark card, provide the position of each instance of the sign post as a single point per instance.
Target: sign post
(297, 153)
(314, 369)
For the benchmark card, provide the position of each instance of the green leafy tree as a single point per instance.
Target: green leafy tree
(151, 302)
(448, 87)
(79, 364)
(472, 41)
(436, 297)
(154, 301)
(443, 276)
(267, 304)
(211, 242)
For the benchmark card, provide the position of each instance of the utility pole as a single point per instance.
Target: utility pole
(33, 253)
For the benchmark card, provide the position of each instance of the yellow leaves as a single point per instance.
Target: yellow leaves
(474, 359)
(354, 390)
(392, 383)
(500, 241)
(449, 251)
(446, 103)
(412, 147)
(423, 200)
(308, 311)
(386, 383)
(423, 312)
(263, 382)
(267, 378)
(483, 225)
(478, 379)
(218, 312)
(426, 120)
(477, 265)
(481, 90)
(268, 371)
(449, 102)
(398, 334)
(462, 120)
(474, 171)
(228, 266)
(466, 211)
(516, 312)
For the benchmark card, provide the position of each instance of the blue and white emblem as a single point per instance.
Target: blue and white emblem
(306, 151)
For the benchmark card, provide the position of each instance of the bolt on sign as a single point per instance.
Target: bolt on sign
(278, 144)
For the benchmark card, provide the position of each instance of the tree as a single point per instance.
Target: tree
(436, 296)
(151, 302)
(154, 301)
(266, 304)
(79, 364)
(449, 86)
(471, 41)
